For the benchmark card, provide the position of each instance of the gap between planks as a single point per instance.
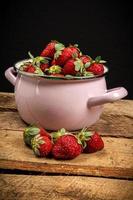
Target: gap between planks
(40, 173)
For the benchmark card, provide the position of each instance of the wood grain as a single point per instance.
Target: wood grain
(68, 180)
(116, 119)
(115, 160)
(7, 101)
(21, 187)
(11, 121)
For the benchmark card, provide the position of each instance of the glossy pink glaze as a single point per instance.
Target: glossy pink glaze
(53, 104)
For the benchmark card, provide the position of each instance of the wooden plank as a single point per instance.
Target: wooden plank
(116, 119)
(7, 101)
(12, 121)
(22, 187)
(115, 160)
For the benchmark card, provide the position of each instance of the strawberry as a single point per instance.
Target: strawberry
(31, 69)
(44, 66)
(37, 66)
(41, 145)
(92, 142)
(28, 68)
(96, 68)
(85, 59)
(31, 132)
(53, 62)
(67, 147)
(51, 48)
(55, 69)
(67, 53)
(75, 50)
(57, 134)
(73, 66)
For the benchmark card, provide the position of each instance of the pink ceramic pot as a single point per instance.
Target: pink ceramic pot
(53, 104)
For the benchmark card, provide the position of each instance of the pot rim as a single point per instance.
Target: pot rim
(16, 68)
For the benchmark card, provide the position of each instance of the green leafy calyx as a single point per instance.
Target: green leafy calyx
(84, 135)
(97, 59)
(55, 69)
(78, 65)
(57, 134)
(36, 142)
(58, 50)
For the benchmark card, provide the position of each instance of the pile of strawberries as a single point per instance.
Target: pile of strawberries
(60, 61)
(61, 144)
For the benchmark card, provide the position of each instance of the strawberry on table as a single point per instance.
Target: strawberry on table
(91, 141)
(31, 132)
(41, 145)
(66, 147)
(94, 144)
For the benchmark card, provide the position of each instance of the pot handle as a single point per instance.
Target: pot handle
(9, 74)
(110, 96)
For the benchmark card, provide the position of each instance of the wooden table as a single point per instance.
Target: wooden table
(104, 175)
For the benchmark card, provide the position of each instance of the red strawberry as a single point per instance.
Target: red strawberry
(73, 66)
(29, 68)
(85, 59)
(75, 50)
(96, 68)
(95, 143)
(67, 53)
(31, 132)
(66, 147)
(51, 48)
(41, 145)
(53, 62)
(92, 142)
(44, 66)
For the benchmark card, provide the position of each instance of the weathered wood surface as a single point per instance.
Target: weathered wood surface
(7, 101)
(115, 160)
(22, 187)
(11, 121)
(116, 119)
(87, 177)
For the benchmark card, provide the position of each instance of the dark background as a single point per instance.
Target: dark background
(99, 27)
